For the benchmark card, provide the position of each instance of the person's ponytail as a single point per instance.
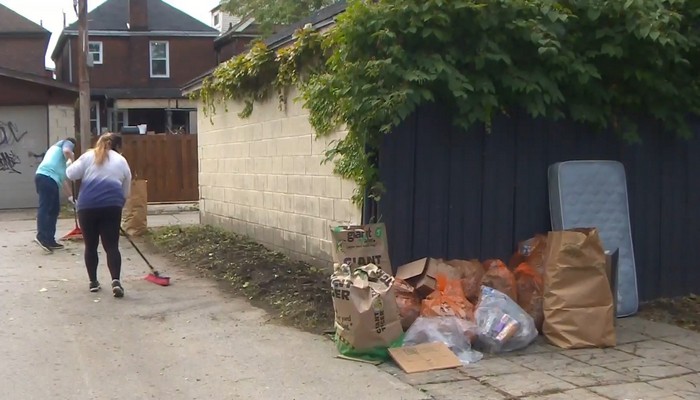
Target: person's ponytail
(102, 148)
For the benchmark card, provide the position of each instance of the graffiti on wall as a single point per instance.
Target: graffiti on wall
(9, 161)
(10, 134)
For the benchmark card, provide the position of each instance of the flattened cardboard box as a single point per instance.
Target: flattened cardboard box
(425, 357)
(421, 274)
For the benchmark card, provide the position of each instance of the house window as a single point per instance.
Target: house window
(160, 60)
(95, 117)
(216, 19)
(122, 119)
(95, 50)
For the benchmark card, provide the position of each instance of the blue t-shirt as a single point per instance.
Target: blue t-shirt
(54, 163)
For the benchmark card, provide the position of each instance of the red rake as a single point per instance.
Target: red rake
(76, 233)
(154, 276)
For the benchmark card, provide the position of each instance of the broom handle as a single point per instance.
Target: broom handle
(137, 250)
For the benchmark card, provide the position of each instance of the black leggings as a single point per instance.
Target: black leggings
(101, 223)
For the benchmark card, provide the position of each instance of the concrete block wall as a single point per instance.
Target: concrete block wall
(61, 122)
(262, 176)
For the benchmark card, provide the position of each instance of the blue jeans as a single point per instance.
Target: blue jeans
(49, 207)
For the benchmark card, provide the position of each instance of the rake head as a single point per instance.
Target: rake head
(158, 279)
(75, 234)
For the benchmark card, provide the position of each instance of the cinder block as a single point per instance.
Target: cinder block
(277, 165)
(298, 125)
(313, 246)
(287, 165)
(296, 223)
(287, 203)
(333, 187)
(299, 167)
(319, 186)
(326, 208)
(342, 210)
(272, 129)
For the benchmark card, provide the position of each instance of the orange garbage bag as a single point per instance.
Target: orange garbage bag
(531, 251)
(530, 292)
(408, 302)
(499, 277)
(471, 272)
(448, 300)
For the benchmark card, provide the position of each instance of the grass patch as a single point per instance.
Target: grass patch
(296, 292)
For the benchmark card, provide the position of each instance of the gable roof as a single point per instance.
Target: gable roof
(14, 23)
(110, 19)
(113, 15)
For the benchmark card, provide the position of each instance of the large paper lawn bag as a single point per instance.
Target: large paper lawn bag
(361, 245)
(578, 301)
(135, 218)
(367, 320)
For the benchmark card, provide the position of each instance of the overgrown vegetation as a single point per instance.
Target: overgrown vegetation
(269, 13)
(295, 292)
(600, 62)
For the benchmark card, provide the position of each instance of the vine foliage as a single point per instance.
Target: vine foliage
(600, 62)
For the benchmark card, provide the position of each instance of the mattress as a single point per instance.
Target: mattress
(586, 194)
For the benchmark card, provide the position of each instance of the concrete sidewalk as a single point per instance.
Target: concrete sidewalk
(652, 361)
(187, 341)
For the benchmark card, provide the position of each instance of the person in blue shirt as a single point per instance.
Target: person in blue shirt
(50, 177)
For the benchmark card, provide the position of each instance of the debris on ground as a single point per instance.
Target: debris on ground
(294, 291)
(680, 311)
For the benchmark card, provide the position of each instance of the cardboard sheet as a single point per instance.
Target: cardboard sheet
(425, 357)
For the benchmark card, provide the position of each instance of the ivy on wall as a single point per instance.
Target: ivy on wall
(599, 62)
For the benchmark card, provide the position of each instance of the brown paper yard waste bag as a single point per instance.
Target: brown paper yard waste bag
(578, 302)
(358, 246)
(135, 216)
(367, 321)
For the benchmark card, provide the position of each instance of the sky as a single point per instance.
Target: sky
(50, 12)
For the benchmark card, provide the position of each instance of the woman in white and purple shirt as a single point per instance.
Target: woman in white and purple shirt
(106, 181)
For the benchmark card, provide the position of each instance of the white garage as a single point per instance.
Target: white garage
(34, 111)
(24, 136)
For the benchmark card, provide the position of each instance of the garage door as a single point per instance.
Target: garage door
(23, 140)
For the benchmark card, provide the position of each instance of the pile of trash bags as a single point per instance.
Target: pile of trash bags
(473, 308)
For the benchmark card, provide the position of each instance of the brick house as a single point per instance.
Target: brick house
(35, 110)
(141, 53)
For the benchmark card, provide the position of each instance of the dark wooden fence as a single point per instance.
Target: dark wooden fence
(168, 162)
(461, 195)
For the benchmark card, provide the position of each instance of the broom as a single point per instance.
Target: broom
(76, 233)
(154, 276)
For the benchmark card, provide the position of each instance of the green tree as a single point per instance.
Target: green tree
(269, 13)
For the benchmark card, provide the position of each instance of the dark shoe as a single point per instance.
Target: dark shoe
(117, 289)
(94, 286)
(56, 246)
(43, 246)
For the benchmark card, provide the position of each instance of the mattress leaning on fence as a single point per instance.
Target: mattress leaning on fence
(585, 194)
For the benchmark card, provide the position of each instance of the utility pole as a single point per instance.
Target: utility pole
(84, 77)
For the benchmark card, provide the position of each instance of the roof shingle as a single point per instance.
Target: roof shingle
(12, 22)
(113, 15)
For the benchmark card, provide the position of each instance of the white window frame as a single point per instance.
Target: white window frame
(167, 58)
(101, 52)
